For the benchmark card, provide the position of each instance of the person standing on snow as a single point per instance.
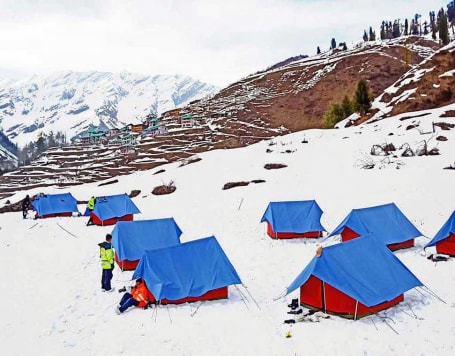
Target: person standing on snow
(25, 206)
(90, 206)
(107, 263)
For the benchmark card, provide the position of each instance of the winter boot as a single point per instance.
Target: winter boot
(294, 304)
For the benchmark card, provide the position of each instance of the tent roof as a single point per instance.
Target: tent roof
(361, 268)
(386, 222)
(187, 270)
(444, 232)
(55, 204)
(114, 206)
(294, 216)
(132, 238)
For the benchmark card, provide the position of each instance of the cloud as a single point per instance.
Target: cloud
(218, 42)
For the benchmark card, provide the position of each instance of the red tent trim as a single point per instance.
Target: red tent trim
(447, 246)
(126, 265)
(348, 234)
(291, 235)
(54, 215)
(317, 295)
(219, 293)
(97, 221)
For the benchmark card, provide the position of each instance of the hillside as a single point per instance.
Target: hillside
(267, 104)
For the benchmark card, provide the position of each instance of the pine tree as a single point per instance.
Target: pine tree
(347, 106)
(40, 143)
(318, 51)
(365, 36)
(443, 27)
(425, 28)
(333, 44)
(372, 36)
(406, 26)
(333, 115)
(433, 25)
(382, 33)
(396, 29)
(362, 97)
(419, 25)
(451, 15)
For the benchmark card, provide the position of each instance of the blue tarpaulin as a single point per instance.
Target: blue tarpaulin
(385, 222)
(114, 206)
(55, 204)
(190, 269)
(294, 216)
(132, 238)
(362, 268)
(445, 231)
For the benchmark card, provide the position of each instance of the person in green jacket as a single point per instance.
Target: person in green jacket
(107, 263)
(90, 206)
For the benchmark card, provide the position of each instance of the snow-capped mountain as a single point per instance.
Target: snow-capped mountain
(71, 101)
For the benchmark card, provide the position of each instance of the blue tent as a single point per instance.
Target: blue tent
(362, 269)
(113, 207)
(385, 222)
(295, 217)
(190, 269)
(444, 240)
(55, 204)
(132, 238)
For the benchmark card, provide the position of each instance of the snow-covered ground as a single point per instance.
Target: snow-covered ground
(52, 304)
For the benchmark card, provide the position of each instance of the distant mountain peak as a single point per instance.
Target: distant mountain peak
(71, 101)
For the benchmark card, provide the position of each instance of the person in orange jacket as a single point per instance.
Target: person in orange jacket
(138, 297)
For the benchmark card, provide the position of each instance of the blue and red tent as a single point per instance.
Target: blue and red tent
(385, 222)
(354, 279)
(293, 219)
(110, 209)
(52, 205)
(191, 271)
(444, 240)
(131, 239)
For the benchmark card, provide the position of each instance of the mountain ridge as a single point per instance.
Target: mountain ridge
(71, 101)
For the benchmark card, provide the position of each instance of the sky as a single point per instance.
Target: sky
(51, 302)
(217, 42)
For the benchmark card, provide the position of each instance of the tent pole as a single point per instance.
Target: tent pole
(323, 297)
(355, 313)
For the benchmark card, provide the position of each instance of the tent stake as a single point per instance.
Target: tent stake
(66, 230)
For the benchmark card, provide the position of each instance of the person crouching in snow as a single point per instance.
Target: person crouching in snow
(138, 297)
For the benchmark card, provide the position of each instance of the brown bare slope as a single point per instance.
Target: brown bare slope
(266, 104)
